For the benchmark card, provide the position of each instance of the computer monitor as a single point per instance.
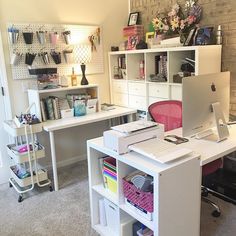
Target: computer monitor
(205, 104)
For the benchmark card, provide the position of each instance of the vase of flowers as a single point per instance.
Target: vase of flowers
(179, 21)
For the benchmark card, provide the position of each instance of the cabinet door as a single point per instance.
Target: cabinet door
(138, 89)
(120, 99)
(137, 102)
(176, 92)
(120, 86)
(158, 90)
(152, 100)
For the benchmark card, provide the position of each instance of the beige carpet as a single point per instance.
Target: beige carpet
(66, 213)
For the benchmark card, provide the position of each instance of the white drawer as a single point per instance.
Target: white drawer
(120, 86)
(176, 92)
(151, 100)
(158, 90)
(137, 89)
(120, 99)
(137, 102)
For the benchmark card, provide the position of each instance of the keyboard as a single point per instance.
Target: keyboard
(160, 150)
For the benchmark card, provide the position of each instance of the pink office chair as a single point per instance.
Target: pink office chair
(169, 113)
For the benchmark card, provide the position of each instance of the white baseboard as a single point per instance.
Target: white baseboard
(68, 161)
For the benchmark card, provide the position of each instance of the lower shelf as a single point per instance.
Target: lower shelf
(42, 175)
(23, 157)
(141, 219)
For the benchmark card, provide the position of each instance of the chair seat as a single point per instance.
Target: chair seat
(211, 167)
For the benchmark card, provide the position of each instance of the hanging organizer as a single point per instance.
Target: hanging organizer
(38, 41)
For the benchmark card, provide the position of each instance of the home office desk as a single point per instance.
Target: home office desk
(210, 150)
(55, 125)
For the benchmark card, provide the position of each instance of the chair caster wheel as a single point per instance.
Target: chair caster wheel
(10, 185)
(216, 213)
(50, 188)
(20, 198)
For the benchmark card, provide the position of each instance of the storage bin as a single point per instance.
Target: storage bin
(136, 197)
(68, 113)
(14, 131)
(112, 216)
(23, 157)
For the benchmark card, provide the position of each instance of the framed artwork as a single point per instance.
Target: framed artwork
(133, 18)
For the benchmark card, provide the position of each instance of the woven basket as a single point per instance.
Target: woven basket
(138, 197)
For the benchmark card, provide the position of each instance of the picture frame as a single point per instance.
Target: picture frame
(133, 18)
(189, 39)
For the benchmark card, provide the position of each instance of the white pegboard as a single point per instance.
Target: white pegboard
(79, 35)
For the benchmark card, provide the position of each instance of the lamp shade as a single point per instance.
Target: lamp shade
(82, 54)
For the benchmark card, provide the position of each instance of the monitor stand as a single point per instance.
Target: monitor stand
(222, 131)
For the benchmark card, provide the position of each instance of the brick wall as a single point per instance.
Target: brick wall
(215, 12)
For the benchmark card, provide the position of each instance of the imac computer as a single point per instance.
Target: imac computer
(205, 104)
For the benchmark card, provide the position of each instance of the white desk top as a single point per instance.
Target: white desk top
(210, 150)
(87, 119)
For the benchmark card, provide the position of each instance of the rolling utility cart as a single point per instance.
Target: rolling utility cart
(25, 153)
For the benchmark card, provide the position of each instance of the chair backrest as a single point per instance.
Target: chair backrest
(167, 112)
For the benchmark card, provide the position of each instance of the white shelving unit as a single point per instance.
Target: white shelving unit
(26, 135)
(176, 193)
(131, 91)
(34, 95)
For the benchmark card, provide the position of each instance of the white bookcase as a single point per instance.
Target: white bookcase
(34, 95)
(176, 193)
(130, 91)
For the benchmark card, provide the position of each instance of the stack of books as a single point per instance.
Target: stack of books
(50, 108)
(110, 174)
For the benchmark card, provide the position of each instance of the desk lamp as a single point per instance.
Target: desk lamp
(83, 55)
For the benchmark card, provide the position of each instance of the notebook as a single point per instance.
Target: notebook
(160, 150)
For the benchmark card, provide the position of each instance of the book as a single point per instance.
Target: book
(43, 110)
(56, 108)
(49, 106)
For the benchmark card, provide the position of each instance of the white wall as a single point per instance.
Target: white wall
(110, 14)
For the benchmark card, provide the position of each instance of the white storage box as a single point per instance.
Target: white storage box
(42, 174)
(23, 157)
(14, 131)
(68, 113)
(112, 216)
(91, 106)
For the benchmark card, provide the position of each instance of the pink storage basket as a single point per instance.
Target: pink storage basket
(138, 197)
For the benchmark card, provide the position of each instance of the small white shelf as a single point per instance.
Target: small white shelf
(104, 230)
(138, 217)
(106, 193)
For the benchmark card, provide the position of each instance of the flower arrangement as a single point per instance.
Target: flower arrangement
(178, 20)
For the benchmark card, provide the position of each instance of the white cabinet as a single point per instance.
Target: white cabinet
(176, 187)
(125, 90)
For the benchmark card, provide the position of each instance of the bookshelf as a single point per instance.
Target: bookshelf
(174, 190)
(128, 88)
(35, 96)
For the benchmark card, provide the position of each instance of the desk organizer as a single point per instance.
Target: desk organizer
(139, 199)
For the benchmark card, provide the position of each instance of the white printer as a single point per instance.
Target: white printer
(120, 137)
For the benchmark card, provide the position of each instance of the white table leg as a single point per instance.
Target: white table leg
(54, 160)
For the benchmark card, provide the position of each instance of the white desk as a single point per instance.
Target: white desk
(210, 150)
(52, 126)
